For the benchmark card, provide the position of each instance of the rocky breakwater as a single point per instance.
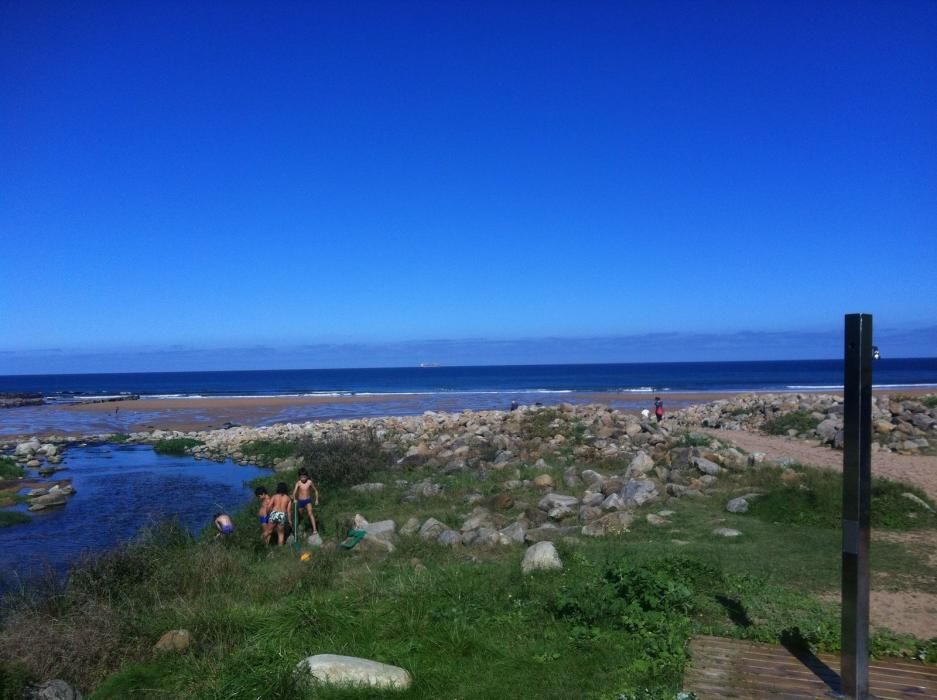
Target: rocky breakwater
(549, 473)
(901, 424)
(15, 400)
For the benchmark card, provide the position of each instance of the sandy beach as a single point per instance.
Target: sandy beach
(208, 413)
(187, 414)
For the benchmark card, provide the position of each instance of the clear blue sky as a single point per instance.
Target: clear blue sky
(234, 174)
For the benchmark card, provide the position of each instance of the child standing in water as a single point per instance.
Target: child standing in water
(303, 492)
(280, 511)
(264, 499)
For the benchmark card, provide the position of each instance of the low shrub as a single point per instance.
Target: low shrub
(343, 462)
(176, 446)
(10, 469)
(539, 424)
(801, 421)
(118, 438)
(268, 451)
(929, 401)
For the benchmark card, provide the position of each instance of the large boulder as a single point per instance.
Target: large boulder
(541, 557)
(641, 464)
(552, 500)
(611, 524)
(385, 529)
(334, 669)
(828, 428)
(432, 528)
(639, 491)
(706, 466)
(55, 690)
(27, 448)
(174, 640)
(737, 505)
(48, 500)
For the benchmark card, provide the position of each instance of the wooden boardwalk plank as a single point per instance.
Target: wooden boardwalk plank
(731, 668)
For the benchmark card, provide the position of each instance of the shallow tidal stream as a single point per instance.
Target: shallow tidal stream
(119, 490)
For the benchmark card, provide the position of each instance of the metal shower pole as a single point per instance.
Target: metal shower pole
(857, 505)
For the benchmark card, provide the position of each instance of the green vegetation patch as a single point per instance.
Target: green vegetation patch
(176, 446)
(815, 498)
(342, 462)
(539, 424)
(12, 517)
(929, 401)
(118, 438)
(801, 421)
(10, 469)
(268, 451)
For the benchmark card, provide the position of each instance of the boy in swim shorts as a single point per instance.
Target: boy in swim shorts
(280, 511)
(265, 528)
(303, 492)
(224, 525)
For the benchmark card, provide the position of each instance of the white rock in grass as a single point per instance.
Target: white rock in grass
(541, 556)
(726, 532)
(335, 669)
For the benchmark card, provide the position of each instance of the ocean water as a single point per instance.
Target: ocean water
(644, 378)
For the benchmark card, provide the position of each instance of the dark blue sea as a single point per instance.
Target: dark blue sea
(625, 378)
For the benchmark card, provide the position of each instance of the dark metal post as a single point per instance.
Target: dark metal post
(857, 505)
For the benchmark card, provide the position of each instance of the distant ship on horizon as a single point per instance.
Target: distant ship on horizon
(430, 364)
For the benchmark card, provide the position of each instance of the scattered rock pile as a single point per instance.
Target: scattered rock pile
(906, 425)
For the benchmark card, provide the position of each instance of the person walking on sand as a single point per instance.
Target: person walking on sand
(280, 511)
(303, 493)
(658, 409)
(224, 525)
(266, 530)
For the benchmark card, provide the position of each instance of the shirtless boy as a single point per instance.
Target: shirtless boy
(224, 525)
(303, 492)
(266, 529)
(280, 511)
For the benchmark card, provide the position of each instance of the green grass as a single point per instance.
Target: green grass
(615, 621)
(118, 438)
(816, 498)
(12, 517)
(929, 401)
(10, 469)
(176, 446)
(801, 421)
(268, 451)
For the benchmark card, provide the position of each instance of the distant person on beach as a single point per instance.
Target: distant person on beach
(514, 405)
(224, 525)
(280, 511)
(303, 493)
(658, 409)
(264, 499)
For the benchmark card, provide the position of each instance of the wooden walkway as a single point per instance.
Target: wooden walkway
(729, 668)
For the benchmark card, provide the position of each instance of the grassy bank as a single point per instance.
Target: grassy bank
(465, 622)
(9, 469)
